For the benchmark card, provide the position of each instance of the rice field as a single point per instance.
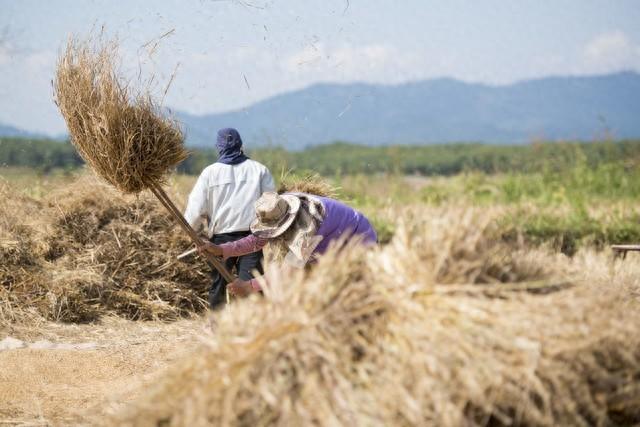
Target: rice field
(461, 317)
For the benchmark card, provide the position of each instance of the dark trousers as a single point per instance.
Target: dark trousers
(244, 266)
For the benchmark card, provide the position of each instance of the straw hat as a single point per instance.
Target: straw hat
(275, 214)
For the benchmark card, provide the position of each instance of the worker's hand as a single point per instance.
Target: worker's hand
(240, 288)
(208, 247)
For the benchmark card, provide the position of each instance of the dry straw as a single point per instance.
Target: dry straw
(120, 133)
(91, 251)
(309, 184)
(403, 336)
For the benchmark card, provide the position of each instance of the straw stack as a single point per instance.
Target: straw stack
(402, 336)
(88, 251)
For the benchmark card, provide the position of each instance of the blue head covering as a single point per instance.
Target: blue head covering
(229, 146)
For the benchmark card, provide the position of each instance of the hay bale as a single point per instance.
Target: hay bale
(119, 132)
(370, 339)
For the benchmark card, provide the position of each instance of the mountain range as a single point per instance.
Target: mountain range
(430, 111)
(14, 132)
(435, 111)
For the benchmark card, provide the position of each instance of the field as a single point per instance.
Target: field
(493, 299)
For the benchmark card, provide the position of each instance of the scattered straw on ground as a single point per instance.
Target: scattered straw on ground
(68, 381)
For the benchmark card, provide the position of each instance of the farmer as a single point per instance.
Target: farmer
(298, 227)
(224, 198)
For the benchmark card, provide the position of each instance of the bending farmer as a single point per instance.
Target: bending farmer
(224, 197)
(298, 227)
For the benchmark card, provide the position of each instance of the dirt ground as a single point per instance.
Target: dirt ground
(59, 374)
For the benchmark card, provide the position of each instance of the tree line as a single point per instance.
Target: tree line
(41, 154)
(342, 158)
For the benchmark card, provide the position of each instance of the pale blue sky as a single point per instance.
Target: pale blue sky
(281, 45)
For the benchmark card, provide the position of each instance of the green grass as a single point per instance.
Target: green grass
(576, 186)
(566, 208)
(568, 231)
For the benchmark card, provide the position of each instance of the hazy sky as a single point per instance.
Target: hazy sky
(230, 53)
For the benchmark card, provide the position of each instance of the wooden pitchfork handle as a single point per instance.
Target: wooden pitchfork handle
(167, 203)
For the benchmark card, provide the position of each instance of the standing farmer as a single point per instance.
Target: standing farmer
(224, 198)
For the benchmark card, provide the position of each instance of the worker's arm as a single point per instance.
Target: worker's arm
(198, 205)
(244, 246)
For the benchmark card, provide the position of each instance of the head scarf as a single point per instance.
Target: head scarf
(229, 146)
(302, 240)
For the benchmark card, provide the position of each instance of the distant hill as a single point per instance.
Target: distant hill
(439, 110)
(426, 112)
(13, 132)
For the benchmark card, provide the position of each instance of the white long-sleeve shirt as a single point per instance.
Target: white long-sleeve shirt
(224, 196)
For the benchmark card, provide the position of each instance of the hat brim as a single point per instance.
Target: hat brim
(269, 231)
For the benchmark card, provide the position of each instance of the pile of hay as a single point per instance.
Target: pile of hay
(16, 246)
(309, 184)
(118, 131)
(20, 250)
(89, 252)
(401, 336)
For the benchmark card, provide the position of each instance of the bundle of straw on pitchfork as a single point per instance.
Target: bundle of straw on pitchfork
(119, 132)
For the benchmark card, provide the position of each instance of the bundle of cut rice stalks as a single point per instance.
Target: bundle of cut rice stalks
(119, 132)
(373, 338)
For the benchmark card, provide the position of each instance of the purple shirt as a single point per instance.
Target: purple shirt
(339, 220)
